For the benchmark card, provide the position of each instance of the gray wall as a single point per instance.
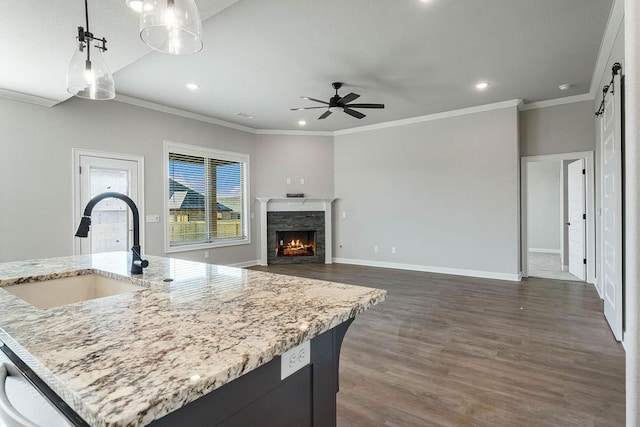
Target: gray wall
(444, 192)
(563, 128)
(544, 205)
(295, 157)
(36, 170)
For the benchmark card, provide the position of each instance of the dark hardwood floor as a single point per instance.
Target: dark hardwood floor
(458, 351)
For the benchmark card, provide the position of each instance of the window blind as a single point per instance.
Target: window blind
(207, 198)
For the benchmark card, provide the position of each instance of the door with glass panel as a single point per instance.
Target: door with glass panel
(111, 226)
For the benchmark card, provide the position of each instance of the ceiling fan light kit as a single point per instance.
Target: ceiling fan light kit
(171, 26)
(338, 103)
(88, 75)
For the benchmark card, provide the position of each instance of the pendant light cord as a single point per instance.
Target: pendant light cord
(86, 14)
(88, 42)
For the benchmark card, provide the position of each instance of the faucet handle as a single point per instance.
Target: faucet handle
(142, 263)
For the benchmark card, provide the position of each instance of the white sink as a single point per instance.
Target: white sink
(68, 290)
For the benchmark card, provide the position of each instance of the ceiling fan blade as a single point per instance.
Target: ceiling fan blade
(354, 113)
(315, 100)
(365, 105)
(304, 108)
(351, 97)
(325, 115)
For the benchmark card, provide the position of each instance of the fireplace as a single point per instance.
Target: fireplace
(296, 243)
(295, 237)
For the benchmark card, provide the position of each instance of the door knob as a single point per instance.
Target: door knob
(568, 223)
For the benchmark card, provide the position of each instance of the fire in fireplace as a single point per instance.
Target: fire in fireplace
(296, 243)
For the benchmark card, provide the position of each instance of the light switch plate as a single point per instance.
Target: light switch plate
(295, 359)
(153, 218)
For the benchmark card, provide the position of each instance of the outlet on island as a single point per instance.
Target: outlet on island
(295, 359)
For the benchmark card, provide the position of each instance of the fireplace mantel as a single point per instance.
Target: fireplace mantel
(284, 204)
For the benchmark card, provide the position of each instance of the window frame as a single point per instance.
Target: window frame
(210, 153)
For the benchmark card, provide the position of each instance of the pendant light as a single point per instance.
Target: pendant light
(171, 26)
(88, 75)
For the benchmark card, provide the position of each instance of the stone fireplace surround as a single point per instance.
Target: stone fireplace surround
(283, 204)
(295, 221)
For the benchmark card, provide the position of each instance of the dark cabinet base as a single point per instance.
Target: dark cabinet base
(260, 398)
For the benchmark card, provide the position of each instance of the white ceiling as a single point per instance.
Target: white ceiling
(260, 56)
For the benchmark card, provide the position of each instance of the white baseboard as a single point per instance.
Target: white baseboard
(245, 263)
(544, 250)
(429, 269)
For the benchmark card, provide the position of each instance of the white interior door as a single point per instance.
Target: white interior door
(577, 218)
(111, 220)
(611, 269)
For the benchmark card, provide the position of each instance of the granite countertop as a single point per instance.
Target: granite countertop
(129, 359)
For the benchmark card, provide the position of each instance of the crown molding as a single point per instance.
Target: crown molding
(616, 17)
(31, 99)
(293, 132)
(557, 101)
(179, 112)
(437, 116)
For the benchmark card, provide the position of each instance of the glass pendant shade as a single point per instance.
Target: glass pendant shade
(171, 26)
(90, 79)
(136, 5)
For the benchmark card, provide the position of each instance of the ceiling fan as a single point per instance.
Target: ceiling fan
(337, 103)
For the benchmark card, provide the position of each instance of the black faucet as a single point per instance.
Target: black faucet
(137, 263)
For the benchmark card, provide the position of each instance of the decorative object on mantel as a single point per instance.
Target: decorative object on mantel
(88, 75)
(295, 195)
(171, 26)
(615, 70)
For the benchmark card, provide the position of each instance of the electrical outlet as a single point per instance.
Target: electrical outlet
(344, 214)
(393, 249)
(295, 359)
(376, 249)
(253, 215)
(302, 181)
(206, 254)
(288, 180)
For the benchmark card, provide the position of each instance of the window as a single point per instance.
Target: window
(206, 197)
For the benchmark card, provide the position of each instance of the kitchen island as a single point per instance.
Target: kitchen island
(199, 344)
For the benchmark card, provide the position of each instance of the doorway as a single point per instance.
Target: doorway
(547, 224)
(558, 224)
(111, 219)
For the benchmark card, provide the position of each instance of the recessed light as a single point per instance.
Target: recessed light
(302, 122)
(136, 5)
(482, 85)
(564, 86)
(192, 86)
